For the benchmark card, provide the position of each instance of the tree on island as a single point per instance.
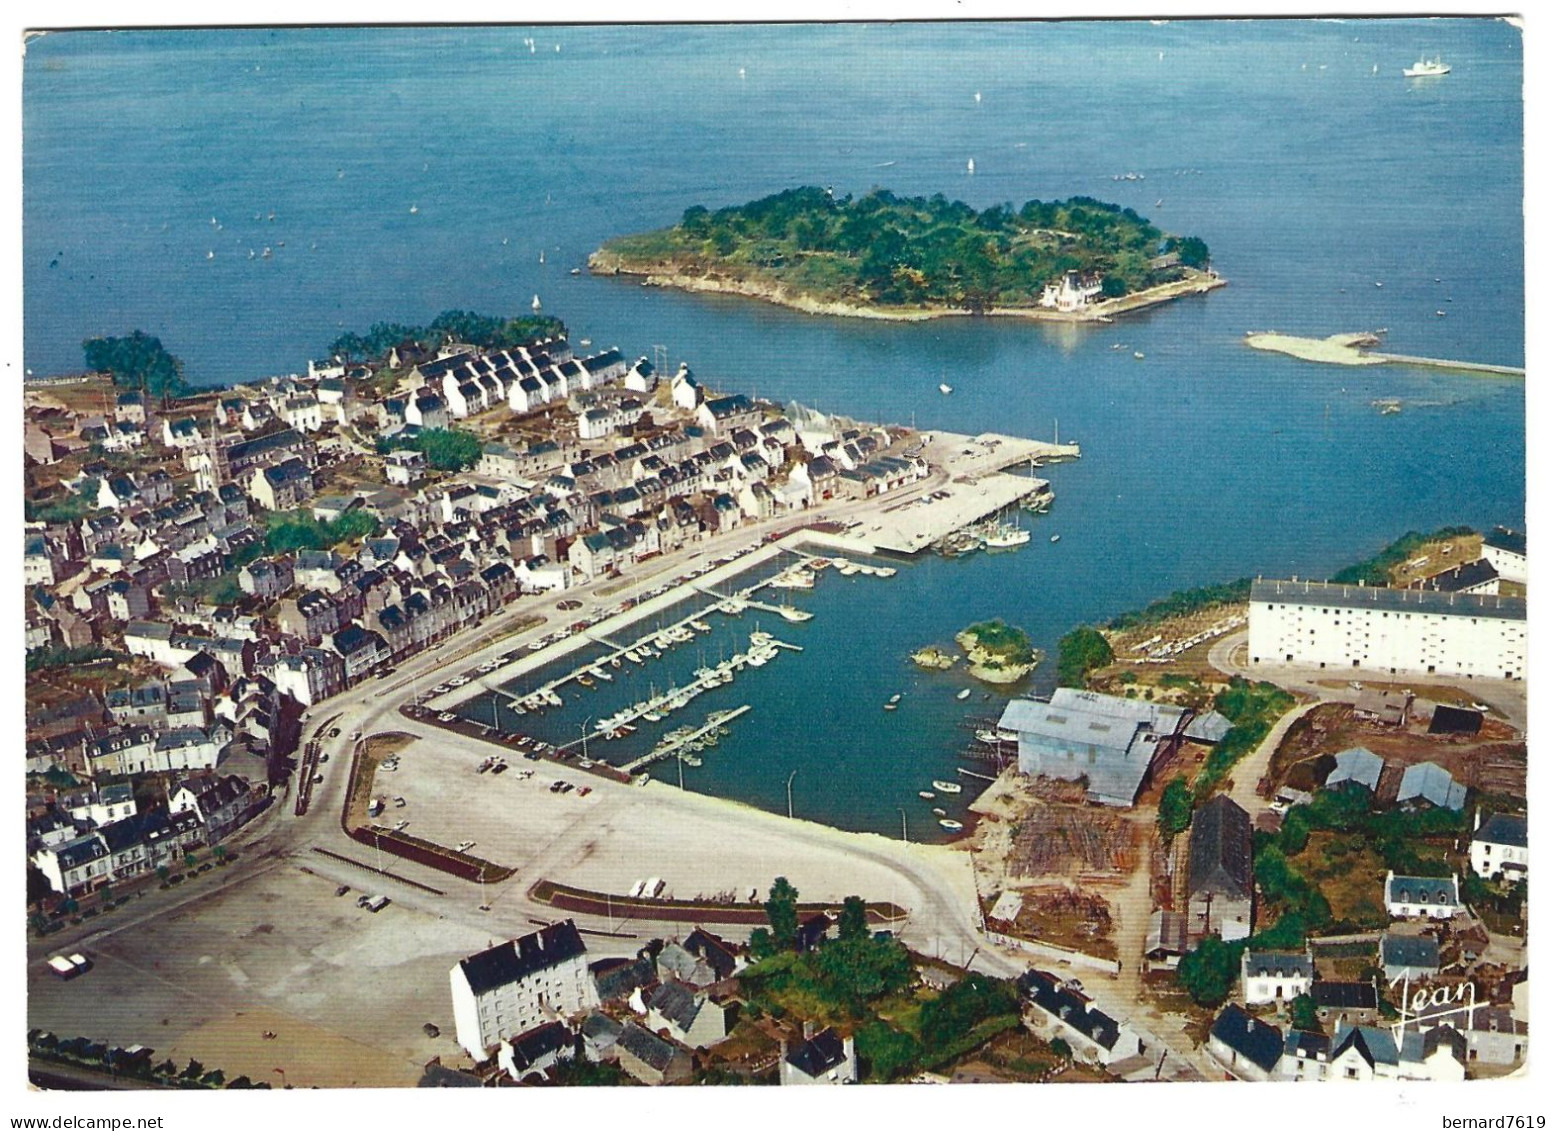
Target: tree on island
(137, 362)
(893, 251)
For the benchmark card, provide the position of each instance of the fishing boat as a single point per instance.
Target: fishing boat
(926, 794)
(1005, 535)
(963, 693)
(1425, 70)
(947, 786)
(951, 826)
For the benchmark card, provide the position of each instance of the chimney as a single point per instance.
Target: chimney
(809, 1029)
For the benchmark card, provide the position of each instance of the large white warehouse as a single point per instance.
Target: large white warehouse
(1320, 624)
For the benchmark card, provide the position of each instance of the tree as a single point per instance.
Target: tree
(1176, 812)
(854, 923)
(783, 913)
(1209, 970)
(1303, 1014)
(1080, 652)
(762, 944)
(885, 1052)
(1193, 252)
(1060, 1047)
(137, 362)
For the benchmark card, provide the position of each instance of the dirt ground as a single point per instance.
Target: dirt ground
(279, 954)
(1492, 761)
(1434, 557)
(1150, 653)
(1069, 917)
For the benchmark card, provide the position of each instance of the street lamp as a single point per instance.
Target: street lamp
(584, 731)
(903, 812)
(791, 795)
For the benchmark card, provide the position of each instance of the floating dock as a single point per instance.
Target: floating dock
(671, 748)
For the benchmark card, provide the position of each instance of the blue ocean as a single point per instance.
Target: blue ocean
(396, 173)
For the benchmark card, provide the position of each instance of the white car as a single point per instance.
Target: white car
(464, 846)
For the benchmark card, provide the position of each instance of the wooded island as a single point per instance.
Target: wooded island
(914, 256)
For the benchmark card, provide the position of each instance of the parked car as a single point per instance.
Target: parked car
(342, 889)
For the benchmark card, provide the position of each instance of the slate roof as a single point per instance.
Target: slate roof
(1046, 992)
(645, 1046)
(676, 1004)
(537, 1043)
(1411, 950)
(1392, 600)
(1255, 1040)
(1510, 540)
(820, 1054)
(1462, 577)
(1344, 995)
(515, 960)
(1277, 964)
(1441, 890)
(1503, 828)
(713, 950)
(1220, 849)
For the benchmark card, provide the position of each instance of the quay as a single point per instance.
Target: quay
(1359, 349)
(672, 747)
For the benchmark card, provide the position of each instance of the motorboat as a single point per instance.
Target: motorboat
(926, 794)
(1427, 70)
(964, 693)
(951, 826)
(947, 786)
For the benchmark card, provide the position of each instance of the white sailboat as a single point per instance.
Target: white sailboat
(971, 166)
(946, 389)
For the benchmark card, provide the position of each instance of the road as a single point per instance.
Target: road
(1509, 698)
(934, 881)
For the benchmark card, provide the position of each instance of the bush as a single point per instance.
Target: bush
(1081, 652)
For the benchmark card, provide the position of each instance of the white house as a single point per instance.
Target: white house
(1052, 1008)
(685, 393)
(1421, 897)
(1363, 1053)
(1249, 1049)
(1274, 976)
(1071, 293)
(1500, 847)
(1323, 625)
(519, 985)
(1507, 551)
(825, 1058)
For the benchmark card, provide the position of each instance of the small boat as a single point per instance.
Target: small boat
(535, 305)
(951, 826)
(895, 699)
(414, 210)
(576, 271)
(585, 681)
(947, 786)
(789, 613)
(1425, 70)
(653, 716)
(971, 166)
(946, 389)
(938, 812)
(1054, 538)
(926, 794)
(1138, 356)
(963, 693)
(542, 257)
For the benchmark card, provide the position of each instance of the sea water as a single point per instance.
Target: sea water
(1311, 178)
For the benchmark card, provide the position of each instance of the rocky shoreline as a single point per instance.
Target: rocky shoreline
(604, 262)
